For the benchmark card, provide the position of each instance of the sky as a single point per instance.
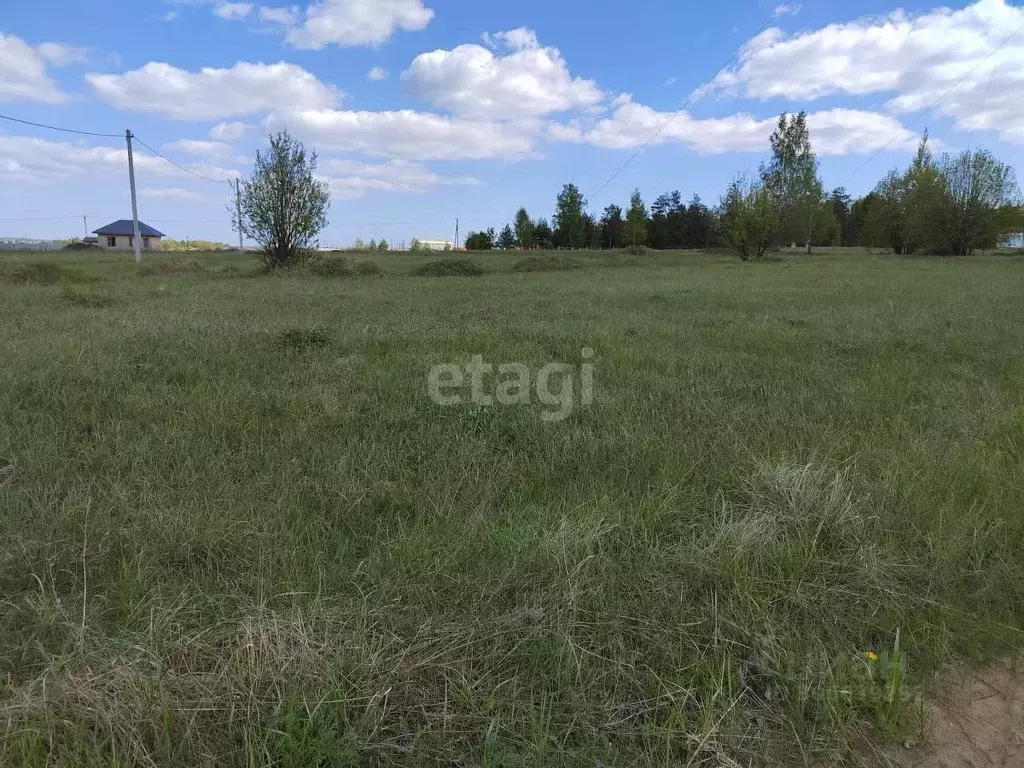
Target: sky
(424, 111)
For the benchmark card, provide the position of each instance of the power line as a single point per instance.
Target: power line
(63, 130)
(179, 167)
(678, 112)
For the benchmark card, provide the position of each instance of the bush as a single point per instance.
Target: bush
(329, 266)
(449, 268)
(165, 266)
(544, 264)
(367, 268)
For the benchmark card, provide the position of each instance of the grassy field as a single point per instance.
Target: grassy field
(238, 531)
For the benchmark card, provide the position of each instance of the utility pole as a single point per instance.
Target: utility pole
(238, 208)
(85, 223)
(456, 234)
(137, 240)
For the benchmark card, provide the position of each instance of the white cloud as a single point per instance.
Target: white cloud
(214, 93)
(357, 22)
(967, 60)
(529, 80)
(284, 16)
(670, 81)
(228, 131)
(410, 135)
(30, 159)
(350, 178)
(233, 11)
(788, 9)
(833, 132)
(209, 149)
(377, 74)
(23, 72)
(172, 193)
(60, 55)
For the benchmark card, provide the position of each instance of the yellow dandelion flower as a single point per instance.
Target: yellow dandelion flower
(872, 656)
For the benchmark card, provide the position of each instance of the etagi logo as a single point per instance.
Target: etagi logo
(514, 384)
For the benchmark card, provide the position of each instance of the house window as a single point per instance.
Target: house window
(145, 243)
(111, 241)
(131, 242)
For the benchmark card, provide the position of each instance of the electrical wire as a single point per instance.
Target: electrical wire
(63, 130)
(677, 113)
(179, 167)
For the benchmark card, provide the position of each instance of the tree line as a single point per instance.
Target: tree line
(954, 204)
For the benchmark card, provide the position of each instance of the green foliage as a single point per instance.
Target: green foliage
(328, 265)
(506, 240)
(612, 226)
(543, 237)
(480, 241)
(383, 245)
(206, 246)
(284, 205)
(568, 220)
(524, 230)
(634, 231)
(791, 179)
(168, 266)
(750, 218)
(37, 273)
(449, 268)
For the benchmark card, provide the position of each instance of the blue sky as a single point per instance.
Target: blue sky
(478, 108)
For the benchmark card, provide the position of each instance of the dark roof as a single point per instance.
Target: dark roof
(125, 227)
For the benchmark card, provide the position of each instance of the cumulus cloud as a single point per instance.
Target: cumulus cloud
(357, 22)
(967, 60)
(23, 71)
(529, 80)
(60, 54)
(350, 178)
(210, 94)
(208, 149)
(30, 159)
(834, 132)
(232, 11)
(377, 74)
(228, 131)
(410, 135)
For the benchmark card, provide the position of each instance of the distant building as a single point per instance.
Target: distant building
(120, 236)
(92, 242)
(435, 245)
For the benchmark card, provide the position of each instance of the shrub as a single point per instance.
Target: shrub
(367, 268)
(544, 264)
(165, 266)
(329, 266)
(449, 268)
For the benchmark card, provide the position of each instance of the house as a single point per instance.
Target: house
(120, 235)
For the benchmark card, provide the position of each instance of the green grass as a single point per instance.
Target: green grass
(239, 533)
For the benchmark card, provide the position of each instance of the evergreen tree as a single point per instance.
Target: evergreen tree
(611, 227)
(507, 239)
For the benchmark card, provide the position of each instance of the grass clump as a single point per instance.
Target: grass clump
(171, 266)
(367, 268)
(552, 263)
(88, 300)
(38, 273)
(449, 268)
(302, 338)
(329, 265)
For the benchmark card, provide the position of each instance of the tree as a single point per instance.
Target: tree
(977, 189)
(842, 209)
(382, 245)
(568, 220)
(750, 218)
(283, 204)
(542, 234)
(611, 226)
(791, 178)
(480, 241)
(635, 230)
(359, 244)
(524, 229)
(507, 239)
(415, 245)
